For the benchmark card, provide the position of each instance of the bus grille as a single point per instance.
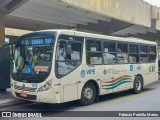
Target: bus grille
(29, 97)
(25, 88)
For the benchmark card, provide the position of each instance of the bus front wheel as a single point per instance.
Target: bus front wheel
(88, 94)
(138, 85)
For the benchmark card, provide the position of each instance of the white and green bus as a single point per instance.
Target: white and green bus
(57, 66)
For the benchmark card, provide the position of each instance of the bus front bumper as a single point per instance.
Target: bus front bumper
(42, 97)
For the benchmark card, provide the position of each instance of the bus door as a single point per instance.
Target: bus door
(69, 57)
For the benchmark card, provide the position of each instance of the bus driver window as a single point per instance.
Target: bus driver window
(63, 66)
(68, 56)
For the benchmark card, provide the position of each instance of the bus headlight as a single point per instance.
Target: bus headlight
(45, 87)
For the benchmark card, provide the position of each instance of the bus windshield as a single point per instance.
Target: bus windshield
(33, 58)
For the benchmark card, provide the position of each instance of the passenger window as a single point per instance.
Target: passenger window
(144, 58)
(109, 47)
(122, 47)
(152, 50)
(122, 53)
(109, 52)
(152, 53)
(93, 46)
(143, 53)
(69, 54)
(133, 53)
(133, 48)
(94, 52)
(143, 49)
(134, 58)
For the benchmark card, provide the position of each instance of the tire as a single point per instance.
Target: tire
(88, 94)
(138, 85)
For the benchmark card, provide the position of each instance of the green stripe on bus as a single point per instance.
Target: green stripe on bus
(123, 79)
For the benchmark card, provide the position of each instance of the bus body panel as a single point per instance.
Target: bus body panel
(70, 85)
(110, 78)
(50, 96)
(123, 78)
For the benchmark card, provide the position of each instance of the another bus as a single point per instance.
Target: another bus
(57, 66)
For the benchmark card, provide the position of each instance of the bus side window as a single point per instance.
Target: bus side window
(122, 53)
(143, 53)
(133, 53)
(109, 52)
(94, 52)
(152, 53)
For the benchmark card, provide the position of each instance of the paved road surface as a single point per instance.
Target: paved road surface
(148, 100)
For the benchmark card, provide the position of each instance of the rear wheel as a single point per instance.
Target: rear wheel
(138, 85)
(88, 94)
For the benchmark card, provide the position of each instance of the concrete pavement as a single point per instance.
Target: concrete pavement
(6, 99)
(148, 100)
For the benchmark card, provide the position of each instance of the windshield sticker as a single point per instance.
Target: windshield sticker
(28, 70)
(41, 68)
(29, 67)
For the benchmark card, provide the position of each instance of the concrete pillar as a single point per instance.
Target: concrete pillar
(2, 29)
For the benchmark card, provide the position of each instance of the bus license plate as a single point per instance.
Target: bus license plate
(22, 94)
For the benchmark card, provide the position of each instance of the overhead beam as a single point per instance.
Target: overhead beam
(56, 8)
(4, 2)
(48, 15)
(14, 4)
(7, 6)
(135, 29)
(39, 17)
(71, 10)
(131, 11)
(30, 24)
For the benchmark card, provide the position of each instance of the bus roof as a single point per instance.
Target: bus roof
(85, 34)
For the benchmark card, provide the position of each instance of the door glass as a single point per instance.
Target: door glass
(69, 56)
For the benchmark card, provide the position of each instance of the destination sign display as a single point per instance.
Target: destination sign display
(38, 41)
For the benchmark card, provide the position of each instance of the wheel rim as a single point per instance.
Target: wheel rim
(138, 84)
(88, 93)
